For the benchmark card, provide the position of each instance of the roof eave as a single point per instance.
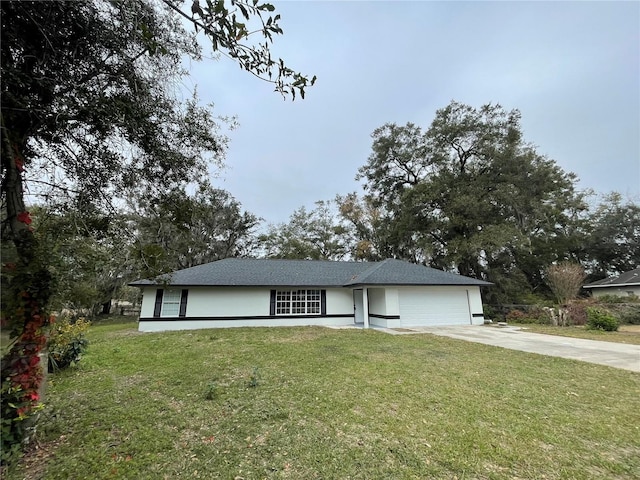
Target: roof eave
(486, 284)
(635, 284)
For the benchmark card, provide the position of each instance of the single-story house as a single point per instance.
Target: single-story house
(238, 292)
(625, 284)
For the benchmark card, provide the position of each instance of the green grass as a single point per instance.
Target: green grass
(305, 403)
(626, 333)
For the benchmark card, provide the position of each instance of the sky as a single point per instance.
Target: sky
(571, 68)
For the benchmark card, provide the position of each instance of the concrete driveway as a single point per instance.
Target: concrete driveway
(618, 355)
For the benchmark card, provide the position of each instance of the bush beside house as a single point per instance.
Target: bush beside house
(624, 310)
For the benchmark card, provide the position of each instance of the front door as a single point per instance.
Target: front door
(358, 310)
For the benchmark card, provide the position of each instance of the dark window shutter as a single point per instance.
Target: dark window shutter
(323, 302)
(272, 303)
(158, 307)
(183, 303)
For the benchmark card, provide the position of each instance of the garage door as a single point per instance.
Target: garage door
(434, 306)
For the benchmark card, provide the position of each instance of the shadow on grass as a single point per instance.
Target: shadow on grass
(114, 319)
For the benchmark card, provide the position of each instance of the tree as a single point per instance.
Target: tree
(612, 244)
(471, 195)
(90, 110)
(310, 235)
(180, 231)
(90, 257)
(371, 231)
(565, 280)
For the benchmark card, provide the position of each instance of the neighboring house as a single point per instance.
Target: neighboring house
(239, 292)
(625, 284)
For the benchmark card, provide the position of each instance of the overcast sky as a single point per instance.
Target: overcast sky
(571, 68)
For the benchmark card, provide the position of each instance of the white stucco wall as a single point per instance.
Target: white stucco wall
(392, 301)
(227, 302)
(242, 303)
(377, 301)
(148, 302)
(339, 301)
(384, 301)
(622, 291)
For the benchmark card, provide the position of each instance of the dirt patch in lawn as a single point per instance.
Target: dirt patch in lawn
(630, 328)
(33, 463)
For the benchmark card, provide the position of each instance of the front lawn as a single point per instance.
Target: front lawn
(304, 403)
(625, 334)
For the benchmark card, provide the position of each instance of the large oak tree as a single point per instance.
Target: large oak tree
(469, 194)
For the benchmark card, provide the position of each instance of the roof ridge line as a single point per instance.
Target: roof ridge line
(369, 271)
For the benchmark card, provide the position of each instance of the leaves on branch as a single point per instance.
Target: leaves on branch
(228, 36)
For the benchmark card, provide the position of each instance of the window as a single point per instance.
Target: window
(171, 303)
(297, 302)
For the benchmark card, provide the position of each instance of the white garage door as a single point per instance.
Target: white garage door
(434, 306)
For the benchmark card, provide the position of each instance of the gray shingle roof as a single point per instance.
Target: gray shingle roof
(308, 273)
(398, 272)
(627, 278)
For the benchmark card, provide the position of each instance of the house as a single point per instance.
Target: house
(238, 292)
(627, 283)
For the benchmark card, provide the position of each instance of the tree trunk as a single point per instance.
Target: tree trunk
(26, 296)
(106, 308)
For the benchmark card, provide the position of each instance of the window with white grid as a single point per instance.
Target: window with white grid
(298, 302)
(170, 303)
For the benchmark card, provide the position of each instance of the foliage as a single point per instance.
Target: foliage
(629, 313)
(226, 32)
(625, 312)
(21, 378)
(532, 315)
(370, 240)
(19, 412)
(613, 299)
(613, 241)
(180, 231)
(601, 319)
(455, 197)
(212, 390)
(309, 235)
(565, 280)
(489, 312)
(577, 312)
(623, 335)
(67, 342)
(89, 257)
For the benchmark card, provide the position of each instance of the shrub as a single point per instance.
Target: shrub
(489, 312)
(577, 313)
(516, 316)
(599, 319)
(619, 299)
(629, 314)
(565, 280)
(67, 343)
(533, 315)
